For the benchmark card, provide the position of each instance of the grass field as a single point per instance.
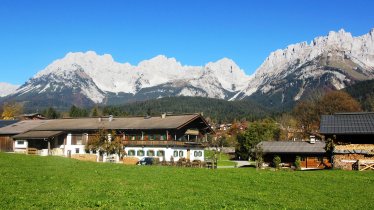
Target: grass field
(222, 158)
(55, 182)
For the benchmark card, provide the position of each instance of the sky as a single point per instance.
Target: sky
(35, 33)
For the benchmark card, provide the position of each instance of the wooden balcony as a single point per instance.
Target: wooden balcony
(161, 143)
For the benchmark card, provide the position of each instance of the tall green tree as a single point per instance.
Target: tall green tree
(256, 132)
(51, 113)
(78, 112)
(95, 112)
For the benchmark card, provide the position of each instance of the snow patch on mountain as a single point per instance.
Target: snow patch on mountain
(7, 89)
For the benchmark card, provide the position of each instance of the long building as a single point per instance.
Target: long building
(166, 136)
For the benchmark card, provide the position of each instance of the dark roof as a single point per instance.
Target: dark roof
(129, 123)
(4, 123)
(21, 127)
(347, 123)
(37, 135)
(298, 147)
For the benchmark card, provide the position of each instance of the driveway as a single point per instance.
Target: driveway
(242, 163)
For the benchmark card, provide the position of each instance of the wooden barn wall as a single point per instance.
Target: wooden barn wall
(6, 144)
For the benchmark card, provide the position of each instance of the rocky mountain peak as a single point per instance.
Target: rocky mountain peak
(333, 61)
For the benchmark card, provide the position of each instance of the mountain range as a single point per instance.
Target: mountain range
(287, 75)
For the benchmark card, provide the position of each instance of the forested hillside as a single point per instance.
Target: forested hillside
(216, 109)
(363, 92)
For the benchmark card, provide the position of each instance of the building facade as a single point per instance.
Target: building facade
(352, 135)
(168, 137)
(312, 153)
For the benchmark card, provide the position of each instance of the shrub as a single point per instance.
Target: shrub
(298, 163)
(155, 161)
(277, 162)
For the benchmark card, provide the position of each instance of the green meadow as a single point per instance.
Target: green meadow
(33, 182)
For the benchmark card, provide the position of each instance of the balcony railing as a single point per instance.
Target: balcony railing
(160, 143)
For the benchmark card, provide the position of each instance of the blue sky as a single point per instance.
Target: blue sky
(34, 33)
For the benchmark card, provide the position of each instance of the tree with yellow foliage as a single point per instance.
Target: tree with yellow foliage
(11, 110)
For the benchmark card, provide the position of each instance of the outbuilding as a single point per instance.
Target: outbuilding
(352, 135)
(311, 153)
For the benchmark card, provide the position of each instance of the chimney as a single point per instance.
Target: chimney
(312, 139)
(163, 115)
(99, 119)
(110, 118)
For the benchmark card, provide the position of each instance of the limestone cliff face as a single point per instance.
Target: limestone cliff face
(329, 62)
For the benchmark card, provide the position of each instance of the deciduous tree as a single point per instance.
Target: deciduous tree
(256, 132)
(106, 142)
(308, 113)
(11, 110)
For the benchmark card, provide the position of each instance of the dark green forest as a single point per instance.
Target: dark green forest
(216, 109)
(363, 92)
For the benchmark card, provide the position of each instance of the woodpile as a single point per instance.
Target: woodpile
(368, 147)
(85, 157)
(346, 161)
(130, 160)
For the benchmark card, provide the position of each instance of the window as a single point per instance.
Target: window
(198, 154)
(131, 153)
(78, 140)
(161, 153)
(77, 150)
(175, 153)
(150, 153)
(21, 142)
(162, 137)
(151, 137)
(302, 158)
(132, 137)
(180, 153)
(85, 138)
(140, 153)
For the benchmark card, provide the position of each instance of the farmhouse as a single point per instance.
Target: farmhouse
(12, 129)
(312, 153)
(165, 136)
(353, 139)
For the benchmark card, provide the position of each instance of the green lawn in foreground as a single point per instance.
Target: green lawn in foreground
(56, 182)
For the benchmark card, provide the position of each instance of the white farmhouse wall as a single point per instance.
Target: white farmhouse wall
(20, 148)
(169, 152)
(73, 148)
